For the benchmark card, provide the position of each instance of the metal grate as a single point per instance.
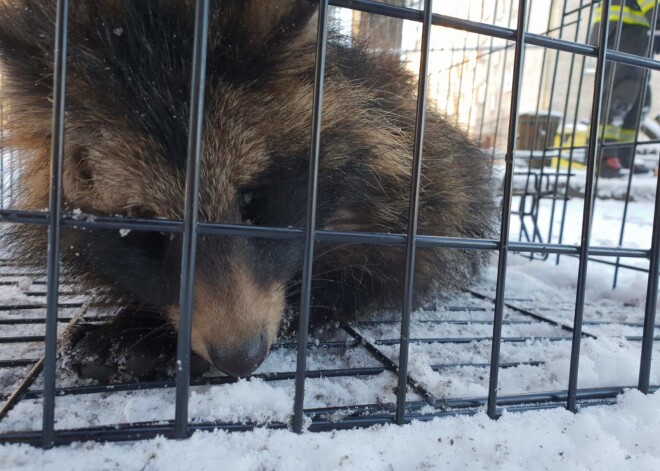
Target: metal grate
(470, 315)
(412, 398)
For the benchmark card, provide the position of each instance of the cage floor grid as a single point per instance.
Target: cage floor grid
(351, 377)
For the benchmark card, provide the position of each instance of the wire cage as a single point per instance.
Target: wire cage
(480, 62)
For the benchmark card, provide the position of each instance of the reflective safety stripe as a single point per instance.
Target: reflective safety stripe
(646, 5)
(627, 135)
(612, 133)
(630, 16)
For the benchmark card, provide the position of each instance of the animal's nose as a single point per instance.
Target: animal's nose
(242, 360)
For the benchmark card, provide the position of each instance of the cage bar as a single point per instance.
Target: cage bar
(563, 130)
(376, 416)
(310, 223)
(413, 213)
(575, 121)
(506, 209)
(592, 154)
(190, 233)
(238, 230)
(650, 307)
(55, 221)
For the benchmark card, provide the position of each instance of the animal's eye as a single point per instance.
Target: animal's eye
(249, 207)
(153, 244)
(141, 212)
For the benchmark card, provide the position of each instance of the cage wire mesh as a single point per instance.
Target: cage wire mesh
(524, 80)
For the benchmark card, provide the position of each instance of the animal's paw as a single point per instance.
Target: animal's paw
(135, 345)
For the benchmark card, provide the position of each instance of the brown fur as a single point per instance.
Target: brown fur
(125, 155)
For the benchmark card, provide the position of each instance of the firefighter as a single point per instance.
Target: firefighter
(624, 84)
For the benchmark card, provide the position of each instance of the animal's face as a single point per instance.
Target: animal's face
(126, 141)
(240, 288)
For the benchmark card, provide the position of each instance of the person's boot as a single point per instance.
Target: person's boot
(640, 169)
(626, 159)
(610, 167)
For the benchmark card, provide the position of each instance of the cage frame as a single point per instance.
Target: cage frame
(403, 411)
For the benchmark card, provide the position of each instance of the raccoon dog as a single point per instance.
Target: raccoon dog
(126, 136)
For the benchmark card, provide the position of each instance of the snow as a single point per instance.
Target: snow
(619, 437)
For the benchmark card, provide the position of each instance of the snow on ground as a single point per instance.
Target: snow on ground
(455, 365)
(604, 438)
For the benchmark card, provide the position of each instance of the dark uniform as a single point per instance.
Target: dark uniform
(626, 83)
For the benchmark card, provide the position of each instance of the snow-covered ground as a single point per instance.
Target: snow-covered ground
(618, 437)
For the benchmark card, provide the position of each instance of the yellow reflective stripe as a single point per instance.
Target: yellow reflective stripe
(630, 16)
(646, 5)
(626, 135)
(612, 133)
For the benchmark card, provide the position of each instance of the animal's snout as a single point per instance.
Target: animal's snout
(235, 318)
(241, 360)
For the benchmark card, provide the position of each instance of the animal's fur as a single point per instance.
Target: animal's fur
(126, 134)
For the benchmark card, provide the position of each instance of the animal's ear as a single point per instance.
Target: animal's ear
(258, 23)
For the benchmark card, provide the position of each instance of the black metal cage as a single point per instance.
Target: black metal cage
(413, 400)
